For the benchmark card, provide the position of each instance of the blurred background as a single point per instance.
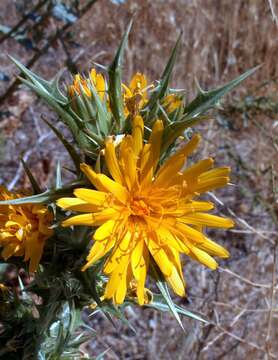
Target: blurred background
(220, 40)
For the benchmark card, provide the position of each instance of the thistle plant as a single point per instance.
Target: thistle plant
(132, 213)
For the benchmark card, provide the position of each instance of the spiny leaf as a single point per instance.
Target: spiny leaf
(159, 304)
(207, 99)
(161, 284)
(89, 279)
(45, 197)
(65, 115)
(49, 92)
(102, 114)
(35, 186)
(176, 129)
(161, 89)
(115, 81)
(51, 88)
(193, 113)
(110, 309)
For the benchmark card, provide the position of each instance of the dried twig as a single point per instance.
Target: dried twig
(274, 16)
(246, 281)
(49, 42)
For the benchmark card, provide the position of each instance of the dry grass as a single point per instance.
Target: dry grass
(220, 40)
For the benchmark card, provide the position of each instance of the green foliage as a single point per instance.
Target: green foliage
(35, 186)
(160, 91)
(115, 82)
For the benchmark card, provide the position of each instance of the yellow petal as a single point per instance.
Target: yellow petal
(93, 75)
(112, 162)
(98, 250)
(98, 82)
(137, 134)
(218, 172)
(121, 250)
(84, 219)
(33, 250)
(160, 257)
(94, 219)
(128, 166)
(92, 176)
(184, 152)
(142, 273)
(137, 258)
(138, 81)
(192, 173)
(105, 230)
(122, 288)
(93, 197)
(155, 142)
(113, 187)
(190, 207)
(191, 234)
(127, 92)
(117, 281)
(166, 175)
(168, 238)
(210, 184)
(100, 85)
(171, 102)
(76, 204)
(207, 220)
(176, 282)
(203, 258)
(214, 249)
(146, 169)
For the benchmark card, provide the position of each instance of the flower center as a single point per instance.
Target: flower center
(139, 207)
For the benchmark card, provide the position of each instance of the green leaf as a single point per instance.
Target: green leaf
(193, 112)
(50, 87)
(51, 94)
(35, 186)
(66, 116)
(70, 148)
(161, 89)
(207, 99)
(45, 197)
(158, 303)
(89, 279)
(176, 129)
(110, 309)
(101, 112)
(162, 286)
(115, 82)
(59, 339)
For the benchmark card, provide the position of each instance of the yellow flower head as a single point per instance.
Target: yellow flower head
(23, 229)
(148, 211)
(171, 102)
(95, 79)
(135, 95)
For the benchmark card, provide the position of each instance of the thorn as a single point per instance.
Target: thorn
(200, 90)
